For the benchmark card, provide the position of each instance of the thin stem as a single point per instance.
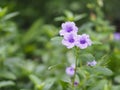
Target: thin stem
(76, 57)
(1, 63)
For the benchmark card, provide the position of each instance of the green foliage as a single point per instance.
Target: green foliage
(32, 56)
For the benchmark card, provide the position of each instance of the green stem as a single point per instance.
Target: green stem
(76, 58)
(1, 62)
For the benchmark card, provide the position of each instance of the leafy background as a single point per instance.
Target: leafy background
(32, 59)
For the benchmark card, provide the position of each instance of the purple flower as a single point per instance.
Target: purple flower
(75, 83)
(117, 36)
(68, 27)
(92, 63)
(83, 41)
(69, 40)
(70, 70)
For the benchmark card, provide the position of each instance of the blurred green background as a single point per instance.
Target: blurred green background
(28, 47)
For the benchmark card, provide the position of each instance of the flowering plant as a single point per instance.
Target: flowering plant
(84, 70)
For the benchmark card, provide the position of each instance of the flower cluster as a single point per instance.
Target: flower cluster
(71, 38)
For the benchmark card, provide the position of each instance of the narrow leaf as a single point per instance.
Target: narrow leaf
(6, 83)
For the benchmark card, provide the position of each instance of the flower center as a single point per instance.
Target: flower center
(71, 40)
(75, 83)
(82, 41)
(71, 69)
(69, 29)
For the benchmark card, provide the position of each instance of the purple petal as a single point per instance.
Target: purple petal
(68, 27)
(83, 41)
(70, 71)
(69, 40)
(92, 63)
(117, 36)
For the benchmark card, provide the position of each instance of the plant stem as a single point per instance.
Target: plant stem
(76, 57)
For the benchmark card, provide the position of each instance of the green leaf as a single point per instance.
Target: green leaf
(96, 43)
(54, 66)
(7, 75)
(115, 87)
(6, 83)
(86, 26)
(104, 71)
(49, 83)
(61, 18)
(56, 41)
(40, 86)
(3, 11)
(33, 31)
(86, 57)
(117, 79)
(9, 16)
(36, 80)
(68, 14)
(78, 17)
(104, 60)
(99, 85)
(64, 84)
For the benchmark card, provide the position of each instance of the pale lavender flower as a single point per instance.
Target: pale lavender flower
(117, 36)
(83, 41)
(76, 83)
(92, 63)
(69, 40)
(68, 27)
(70, 70)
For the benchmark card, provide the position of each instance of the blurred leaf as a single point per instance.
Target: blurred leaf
(117, 79)
(49, 31)
(36, 80)
(115, 87)
(78, 17)
(53, 66)
(99, 85)
(7, 75)
(64, 84)
(19, 67)
(40, 86)
(104, 60)
(56, 41)
(86, 57)
(103, 71)
(10, 27)
(96, 43)
(69, 15)
(3, 11)
(86, 26)
(10, 15)
(61, 18)
(33, 31)
(39, 69)
(6, 83)
(49, 83)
